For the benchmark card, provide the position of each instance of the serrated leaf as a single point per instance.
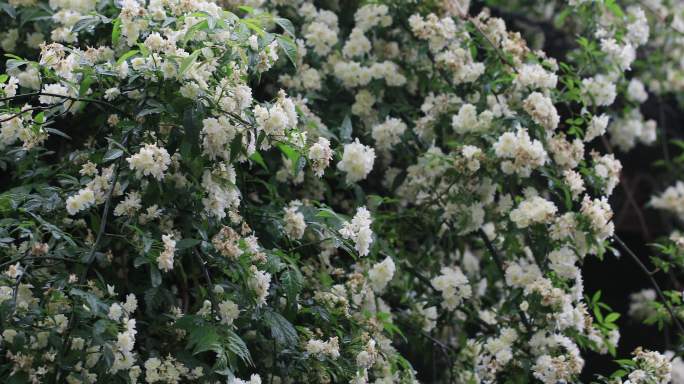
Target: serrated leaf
(289, 47)
(112, 154)
(202, 339)
(239, 348)
(286, 25)
(282, 330)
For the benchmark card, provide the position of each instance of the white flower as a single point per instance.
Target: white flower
(522, 154)
(598, 90)
(320, 155)
(357, 44)
(259, 282)
(535, 76)
(574, 180)
(85, 198)
(165, 259)
(129, 206)
(640, 307)
(621, 55)
(294, 221)
(254, 379)
(454, 286)
(115, 312)
(596, 127)
(228, 311)
(217, 135)
(320, 348)
(562, 261)
(381, 274)
(672, 199)
(467, 120)
(150, 160)
(599, 213)
(532, 211)
(52, 90)
(636, 91)
(388, 134)
(359, 231)
(542, 110)
(357, 161)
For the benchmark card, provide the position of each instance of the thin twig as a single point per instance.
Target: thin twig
(654, 283)
(210, 290)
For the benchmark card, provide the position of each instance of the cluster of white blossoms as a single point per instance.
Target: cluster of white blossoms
(381, 274)
(468, 120)
(472, 156)
(165, 259)
(541, 109)
(150, 160)
(217, 134)
(533, 210)
(320, 155)
(626, 131)
(520, 153)
(453, 285)
(359, 231)
(229, 312)
(319, 348)
(388, 134)
(357, 161)
(671, 199)
(84, 199)
(321, 29)
(259, 283)
(253, 379)
(294, 221)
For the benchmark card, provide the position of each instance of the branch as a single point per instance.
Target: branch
(205, 271)
(654, 283)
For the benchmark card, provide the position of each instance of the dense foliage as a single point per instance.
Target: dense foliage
(290, 191)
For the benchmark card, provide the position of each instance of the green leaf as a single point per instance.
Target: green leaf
(186, 243)
(257, 158)
(116, 31)
(155, 276)
(292, 284)
(286, 25)
(282, 330)
(289, 47)
(187, 62)
(614, 8)
(112, 154)
(86, 23)
(238, 347)
(346, 130)
(612, 317)
(126, 56)
(85, 85)
(10, 10)
(292, 154)
(202, 339)
(57, 132)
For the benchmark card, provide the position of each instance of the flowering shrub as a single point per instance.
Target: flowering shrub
(287, 191)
